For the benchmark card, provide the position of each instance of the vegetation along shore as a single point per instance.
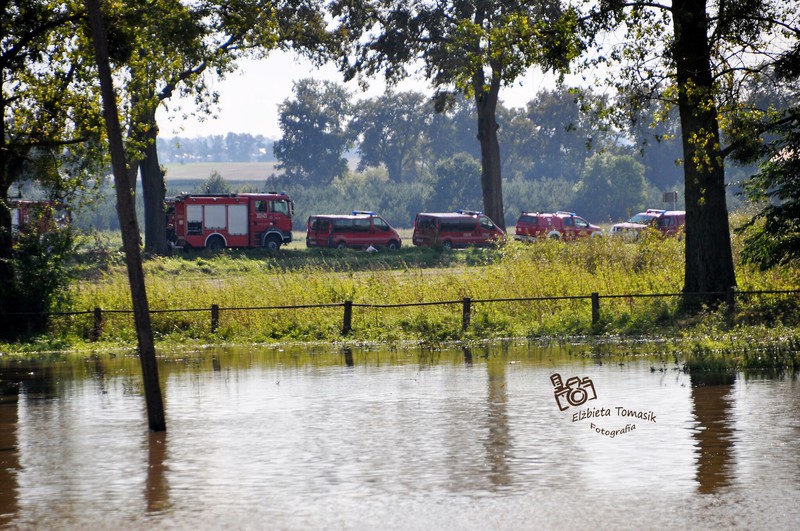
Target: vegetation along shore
(298, 295)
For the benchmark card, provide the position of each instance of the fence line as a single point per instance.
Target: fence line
(466, 303)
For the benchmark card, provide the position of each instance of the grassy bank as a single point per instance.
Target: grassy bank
(237, 281)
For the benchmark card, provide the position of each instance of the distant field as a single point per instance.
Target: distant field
(230, 171)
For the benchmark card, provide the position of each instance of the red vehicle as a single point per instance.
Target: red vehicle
(36, 216)
(462, 228)
(667, 222)
(216, 221)
(532, 226)
(359, 230)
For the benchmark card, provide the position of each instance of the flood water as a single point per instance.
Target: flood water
(481, 438)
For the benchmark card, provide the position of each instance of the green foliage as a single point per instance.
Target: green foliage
(235, 279)
(390, 128)
(315, 133)
(772, 236)
(40, 283)
(611, 186)
(457, 183)
(215, 184)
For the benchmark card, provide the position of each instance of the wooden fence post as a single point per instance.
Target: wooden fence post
(214, 318)
(97, 327)
(348, 318)
(466, 310)
(595, 308)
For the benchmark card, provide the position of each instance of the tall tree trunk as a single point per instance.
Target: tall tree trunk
(129, 228)
(153, 193)
(6, 268)
(491, 180)
(709, 260)
(7, 291)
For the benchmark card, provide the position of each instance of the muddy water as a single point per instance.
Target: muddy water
(261, 438)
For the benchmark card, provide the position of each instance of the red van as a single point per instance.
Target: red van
(358, 230)
(451, 230)
(532, 226)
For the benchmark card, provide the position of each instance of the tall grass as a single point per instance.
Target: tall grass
(238, 280)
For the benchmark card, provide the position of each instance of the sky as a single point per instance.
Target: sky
(249, 98)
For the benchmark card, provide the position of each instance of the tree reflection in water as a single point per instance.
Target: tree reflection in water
(711, 406)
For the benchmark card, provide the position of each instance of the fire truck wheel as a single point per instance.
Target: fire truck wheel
(341, 245)
(215, 243)
(447, 245)
(272, 242)
(394, 245)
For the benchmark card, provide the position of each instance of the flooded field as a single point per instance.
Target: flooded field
(513, 436)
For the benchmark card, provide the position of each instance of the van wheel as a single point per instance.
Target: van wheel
(447, 245)
(272, 242)
(341, 245)
(215, 244)
(555, 235)
(394, 245)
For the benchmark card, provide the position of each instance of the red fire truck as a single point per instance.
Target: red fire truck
(216, 221)
(36, 216)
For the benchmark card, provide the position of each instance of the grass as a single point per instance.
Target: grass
(295, 276)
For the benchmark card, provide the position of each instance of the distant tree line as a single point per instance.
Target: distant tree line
(231, 147)
(558, 153)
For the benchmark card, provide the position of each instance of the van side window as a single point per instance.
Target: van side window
(361, 225)
(342, 225)
(319, 224)
(486, 223)
(380, 224)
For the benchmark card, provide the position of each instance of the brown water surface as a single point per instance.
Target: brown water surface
(262, 438)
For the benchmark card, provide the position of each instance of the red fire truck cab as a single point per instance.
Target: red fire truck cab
(216, 221)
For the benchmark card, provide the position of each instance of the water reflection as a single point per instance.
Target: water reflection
(361, 438)
(498, 443)
(711, 406)
(157, 485)
(9, 456)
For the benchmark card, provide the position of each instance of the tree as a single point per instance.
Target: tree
(611, 187)
(50, 131)
(709, 258)
(456, 180)
(127, 221)
(389, 128)
(468, 47)
(215, 184)
(709, 48)
(773, 234)
(656, 133)
(167, 46)
(315, 132)
(451, 130)
(564, 135)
